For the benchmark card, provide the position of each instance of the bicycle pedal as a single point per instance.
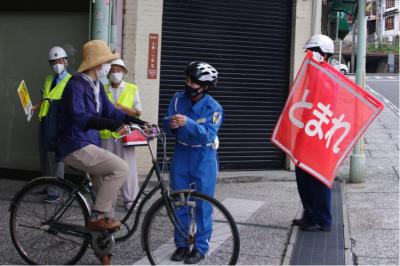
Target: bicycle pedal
(111, 231)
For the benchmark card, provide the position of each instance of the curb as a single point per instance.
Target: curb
(250, 176)
(348, 258)
(292, 238)
(376, 74)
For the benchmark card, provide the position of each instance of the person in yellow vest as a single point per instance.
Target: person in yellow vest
(125, 96)
(52, 91)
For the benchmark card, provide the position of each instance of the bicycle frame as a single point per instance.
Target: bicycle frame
(161, 185)
(86, 185)
(102, 242)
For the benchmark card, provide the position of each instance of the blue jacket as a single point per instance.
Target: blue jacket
(77, 106)
(203, 119)
(195, 160)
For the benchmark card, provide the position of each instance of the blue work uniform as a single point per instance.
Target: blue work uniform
(195, 158)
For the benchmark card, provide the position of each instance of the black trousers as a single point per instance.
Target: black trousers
(315, 197)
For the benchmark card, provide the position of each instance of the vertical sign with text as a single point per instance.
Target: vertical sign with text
(152, 58)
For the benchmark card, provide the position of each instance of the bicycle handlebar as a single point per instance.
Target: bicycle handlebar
(149, 131)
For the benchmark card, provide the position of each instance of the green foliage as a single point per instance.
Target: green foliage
(384, 48)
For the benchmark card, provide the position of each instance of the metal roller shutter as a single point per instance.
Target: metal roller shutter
(248, 42)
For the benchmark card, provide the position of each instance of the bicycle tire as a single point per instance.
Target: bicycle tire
(28, 213)
(158, 232)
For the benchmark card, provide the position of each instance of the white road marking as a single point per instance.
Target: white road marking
(386, 101)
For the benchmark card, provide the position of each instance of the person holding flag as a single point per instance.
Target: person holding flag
(315, 196)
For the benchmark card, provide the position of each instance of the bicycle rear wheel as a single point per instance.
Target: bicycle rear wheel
(158, 230)
(33, 235)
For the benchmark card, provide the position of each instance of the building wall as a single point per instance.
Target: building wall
(26, 38)
(383, 13)
(301, 31)
(141, 18)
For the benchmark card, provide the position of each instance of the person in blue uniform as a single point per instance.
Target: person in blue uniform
(194, 118)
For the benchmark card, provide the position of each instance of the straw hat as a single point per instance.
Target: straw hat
(95, 53)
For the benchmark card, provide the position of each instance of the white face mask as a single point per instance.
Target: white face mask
(103, 72)
(116, 77)
(58, 68)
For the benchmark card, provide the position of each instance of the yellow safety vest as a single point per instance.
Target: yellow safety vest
(52, 94)
(127, 98)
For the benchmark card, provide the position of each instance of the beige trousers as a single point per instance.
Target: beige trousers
(108, 171)
(130, 189)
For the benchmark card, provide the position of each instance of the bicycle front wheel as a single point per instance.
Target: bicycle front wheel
(220, 239)
(32, 232)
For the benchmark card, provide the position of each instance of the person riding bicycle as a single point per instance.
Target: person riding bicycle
(194, 118)
(84, 110)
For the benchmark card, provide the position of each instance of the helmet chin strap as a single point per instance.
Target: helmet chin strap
(196, 98)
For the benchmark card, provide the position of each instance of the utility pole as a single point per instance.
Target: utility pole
(339, 15)
(357, 158)
(316, 17)
(353, 46)
(337, 26)
(100, 20)
(113, 25)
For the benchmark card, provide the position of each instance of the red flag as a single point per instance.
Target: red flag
(324, 116)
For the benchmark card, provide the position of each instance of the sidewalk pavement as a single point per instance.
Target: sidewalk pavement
(370, 209)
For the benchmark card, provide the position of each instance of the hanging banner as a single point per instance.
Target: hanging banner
(25, 100)
(153, 55)
(324, 116)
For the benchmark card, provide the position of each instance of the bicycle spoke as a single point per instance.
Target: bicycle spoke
(31, 227)
(34, 237)
(159, 233)
(67, 239)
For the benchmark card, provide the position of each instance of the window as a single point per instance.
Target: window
(389, 23)
(389, 4)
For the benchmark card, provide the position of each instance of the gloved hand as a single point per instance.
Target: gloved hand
(318, 57)
(151, 130)
(123, 130)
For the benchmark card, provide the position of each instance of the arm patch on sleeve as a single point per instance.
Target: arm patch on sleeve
(216, 117)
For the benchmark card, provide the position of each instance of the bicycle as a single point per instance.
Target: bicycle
(56, 233)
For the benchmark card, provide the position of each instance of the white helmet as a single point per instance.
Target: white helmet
(57, 52)
(119, 62)
(202, 73)
(322, 41)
